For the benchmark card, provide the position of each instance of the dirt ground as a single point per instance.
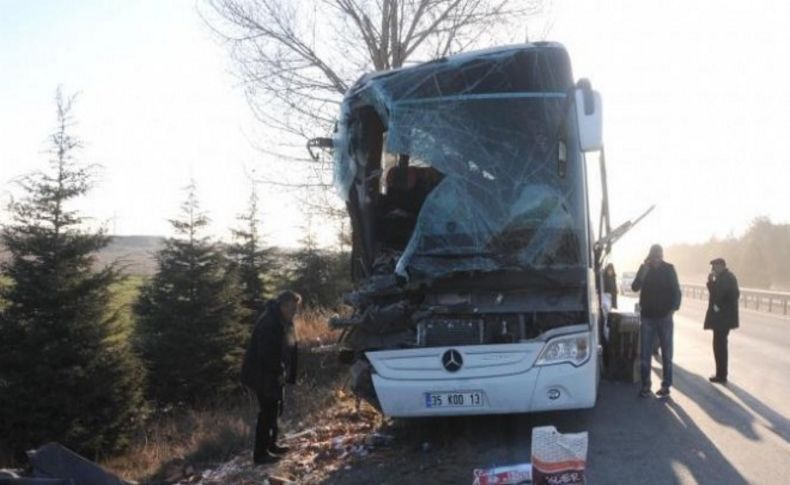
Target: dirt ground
(351, 447)
(335, 439)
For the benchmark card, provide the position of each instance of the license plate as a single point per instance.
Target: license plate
(465, 399)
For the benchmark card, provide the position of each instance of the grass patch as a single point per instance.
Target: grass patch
(184, 440)
(5, 282)
(187, 437)
(312, 328)
(124, 295)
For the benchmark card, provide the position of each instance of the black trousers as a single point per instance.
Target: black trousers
(266, 428)
(720, 351)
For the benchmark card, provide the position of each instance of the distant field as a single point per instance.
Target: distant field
(135, 253)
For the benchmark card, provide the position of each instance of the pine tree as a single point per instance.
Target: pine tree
(67, 370)
(317, 274)
(251, 260)
(189, 330)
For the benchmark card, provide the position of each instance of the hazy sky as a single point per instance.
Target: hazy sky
(694, 99)
(695, 110)
(158, 105)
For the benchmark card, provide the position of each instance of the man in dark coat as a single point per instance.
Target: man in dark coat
(270, 361)
(659, 298)
(722, 315)
(610, 283)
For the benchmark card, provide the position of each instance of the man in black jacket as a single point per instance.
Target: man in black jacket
(269, 361)
(722, 315)
(659, 298)
(610, 283)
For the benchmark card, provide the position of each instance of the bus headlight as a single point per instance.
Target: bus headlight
(574, 350)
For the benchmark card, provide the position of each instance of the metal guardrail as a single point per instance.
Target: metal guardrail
(760, 300)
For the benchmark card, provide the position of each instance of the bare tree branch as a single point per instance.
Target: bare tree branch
(295, 61)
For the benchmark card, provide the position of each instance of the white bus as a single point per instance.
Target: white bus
(473, 250)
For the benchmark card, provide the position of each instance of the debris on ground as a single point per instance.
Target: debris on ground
(504, 475)
(557, 457)
(378, 440)
(345, 435)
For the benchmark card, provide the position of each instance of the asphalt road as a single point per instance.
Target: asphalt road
(704, 433)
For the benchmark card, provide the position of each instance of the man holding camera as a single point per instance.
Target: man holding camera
(659, 297)
(722, 315)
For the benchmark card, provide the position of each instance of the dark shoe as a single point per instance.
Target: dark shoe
(279, 450)
(645, 392)
(266, 459)
(663, 392)
(718, 380)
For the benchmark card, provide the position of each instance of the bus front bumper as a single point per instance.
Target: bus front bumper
(541, 388)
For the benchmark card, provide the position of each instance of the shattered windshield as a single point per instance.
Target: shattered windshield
(503, 202)
(504, 193)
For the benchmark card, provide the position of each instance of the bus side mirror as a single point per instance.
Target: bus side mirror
(319, 143)
(589, 116)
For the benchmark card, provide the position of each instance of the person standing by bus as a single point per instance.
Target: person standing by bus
(722, 314)
(270, 361)
(659, 297)
(610, 283)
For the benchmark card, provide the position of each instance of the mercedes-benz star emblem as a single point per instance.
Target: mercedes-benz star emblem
(452, 360)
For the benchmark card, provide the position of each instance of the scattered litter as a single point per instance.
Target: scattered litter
(275, 480)
(504, 475)
(375, 440)
(558, 458)
(310, 431)
(239, 470)
(337, 442)
(316, 452)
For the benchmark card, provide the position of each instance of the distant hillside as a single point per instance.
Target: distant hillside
(760, 257)
(135, 253)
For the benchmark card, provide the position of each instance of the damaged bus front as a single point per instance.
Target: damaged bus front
(465, 182)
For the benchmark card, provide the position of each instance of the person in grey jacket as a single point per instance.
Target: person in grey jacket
(722, 314)
(659, 297)
(269, 362)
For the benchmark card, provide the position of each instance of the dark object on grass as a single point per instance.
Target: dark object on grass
(55, 461)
